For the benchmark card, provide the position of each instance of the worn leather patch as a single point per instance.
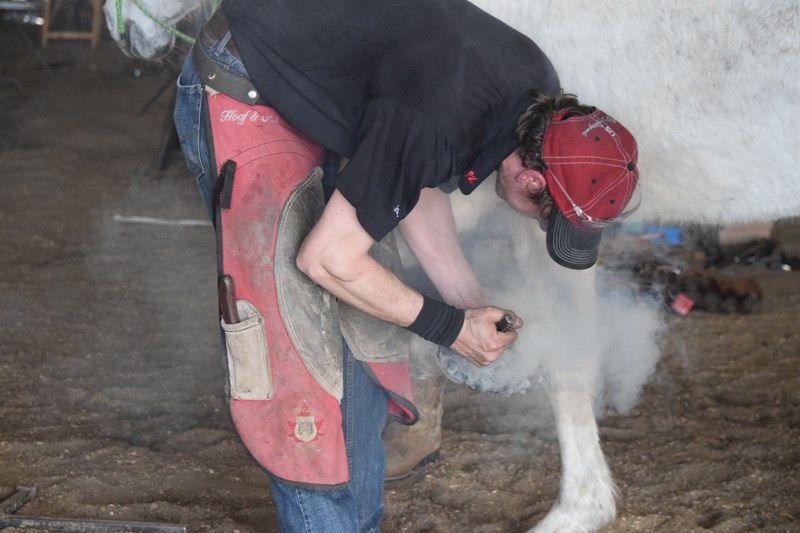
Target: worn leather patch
(309, 313)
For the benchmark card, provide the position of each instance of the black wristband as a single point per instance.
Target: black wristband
(438, 322)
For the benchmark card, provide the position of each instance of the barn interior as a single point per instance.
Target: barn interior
(112, 405)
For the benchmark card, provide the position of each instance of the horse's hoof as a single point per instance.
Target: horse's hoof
(561, 521)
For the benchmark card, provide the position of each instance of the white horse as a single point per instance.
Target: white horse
(147, 29)
(709, 89)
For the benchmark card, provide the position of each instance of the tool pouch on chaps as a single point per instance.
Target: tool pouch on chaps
(284, 354)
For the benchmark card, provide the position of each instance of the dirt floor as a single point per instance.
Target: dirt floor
(112, 397)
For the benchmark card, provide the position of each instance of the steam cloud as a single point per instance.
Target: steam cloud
(590, 328)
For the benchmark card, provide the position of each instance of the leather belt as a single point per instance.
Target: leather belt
(212, 74)
(216, 29)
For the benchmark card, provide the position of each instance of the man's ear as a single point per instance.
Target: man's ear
(532, 179)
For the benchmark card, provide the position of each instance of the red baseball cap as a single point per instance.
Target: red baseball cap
(590, 167)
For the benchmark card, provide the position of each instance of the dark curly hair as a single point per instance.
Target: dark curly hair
(535, 120)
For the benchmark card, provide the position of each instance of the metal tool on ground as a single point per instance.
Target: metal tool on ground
(25, 494)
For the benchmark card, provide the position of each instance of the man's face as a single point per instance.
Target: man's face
(520, 187)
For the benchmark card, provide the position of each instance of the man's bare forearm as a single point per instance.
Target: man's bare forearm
(431, 234)
(335, 255)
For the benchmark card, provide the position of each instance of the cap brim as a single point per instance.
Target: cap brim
(569, 246)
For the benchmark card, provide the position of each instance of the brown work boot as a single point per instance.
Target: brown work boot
(410, 446)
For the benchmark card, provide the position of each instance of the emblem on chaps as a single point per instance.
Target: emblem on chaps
(305, 426)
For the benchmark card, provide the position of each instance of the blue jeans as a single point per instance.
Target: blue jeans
(359, 506)
(189, 121)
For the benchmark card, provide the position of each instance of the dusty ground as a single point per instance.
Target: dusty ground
(111, 403)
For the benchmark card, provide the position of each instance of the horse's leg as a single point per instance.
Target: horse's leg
(586, 499)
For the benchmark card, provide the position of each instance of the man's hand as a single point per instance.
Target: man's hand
(479, 342)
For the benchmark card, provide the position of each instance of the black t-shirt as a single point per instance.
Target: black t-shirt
(411, 91)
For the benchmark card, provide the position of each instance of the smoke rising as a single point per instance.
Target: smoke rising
(591, 330)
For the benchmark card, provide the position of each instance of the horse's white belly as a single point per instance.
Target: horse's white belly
(710, 89)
